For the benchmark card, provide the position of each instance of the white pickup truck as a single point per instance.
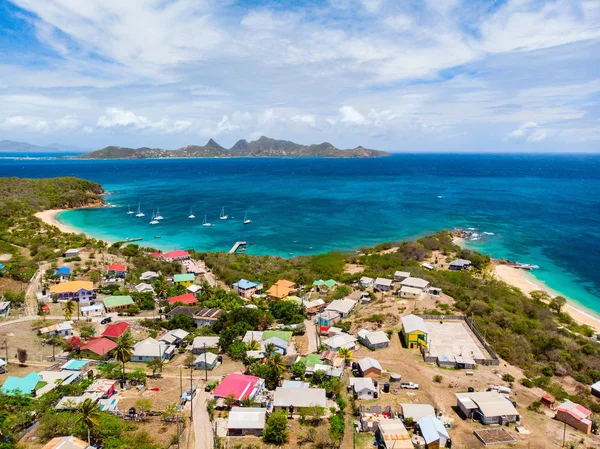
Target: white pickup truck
(409, 386)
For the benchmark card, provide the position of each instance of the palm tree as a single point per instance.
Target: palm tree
(249, 402)
(276, 361)
(161, 287)
(346, 354)
(270, 348)
(248, 362)
(155, 365)
(124, 349)
(253, 345)
(68, 309)
(90, 412)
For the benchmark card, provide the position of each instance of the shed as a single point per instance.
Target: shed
(433, 431)
(369, 367)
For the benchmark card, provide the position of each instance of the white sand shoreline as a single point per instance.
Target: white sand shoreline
(50, 217)
(527, 283)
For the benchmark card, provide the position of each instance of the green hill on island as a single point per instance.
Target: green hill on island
(263, 147)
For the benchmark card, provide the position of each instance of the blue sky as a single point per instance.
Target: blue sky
(431, 75)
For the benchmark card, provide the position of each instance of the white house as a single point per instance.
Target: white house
(365, 281)
(174, 337)
(149, 276)
(200, 344)
(144, 288)
(363, 387)
(341, 340)
(63, 329)
(150, 349)
(194, 289)
(407, 292)
(419, 283)
(246, 421)
(433, 431)
(95, 310)
(399, 276)
(383, 284)
(342, 306)
(373, 339)
(298, 398)
(73, 252)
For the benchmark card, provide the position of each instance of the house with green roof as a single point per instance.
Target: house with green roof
(310, 360)
(23, 385)
(322, 285)
(283, 335)
(116, 303)
(184, 279)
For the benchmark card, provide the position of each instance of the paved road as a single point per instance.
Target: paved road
(202, 425)
(61, 317)
(311, 333)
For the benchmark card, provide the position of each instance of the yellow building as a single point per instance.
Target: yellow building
(414, 331)
(184, 279)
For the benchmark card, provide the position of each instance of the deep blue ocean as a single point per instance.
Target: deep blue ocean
(541, 209)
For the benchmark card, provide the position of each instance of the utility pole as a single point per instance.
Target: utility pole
(6, 355)
(191, 395)
(205, 367)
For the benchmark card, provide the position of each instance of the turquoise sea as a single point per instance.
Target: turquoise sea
(541, 209)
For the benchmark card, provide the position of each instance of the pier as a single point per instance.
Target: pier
(135, 239)
(235, 247)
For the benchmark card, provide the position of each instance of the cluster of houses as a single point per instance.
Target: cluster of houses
(403, 284)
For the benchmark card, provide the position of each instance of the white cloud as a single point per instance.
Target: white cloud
(37, 124)
(351, 115)
(116, 117)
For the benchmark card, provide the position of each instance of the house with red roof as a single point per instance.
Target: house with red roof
(186, 299)
(575, 415)
(240, 386)
(175, 256)
(100, 346)
(117, 270)
(115, 330)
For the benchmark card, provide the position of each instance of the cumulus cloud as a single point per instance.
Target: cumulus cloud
(351, 115)
(116, 117)
(37, 124)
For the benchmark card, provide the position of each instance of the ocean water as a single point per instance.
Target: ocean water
(541, 209)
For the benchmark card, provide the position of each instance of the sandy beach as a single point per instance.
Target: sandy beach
(527, 283)
(49, 217)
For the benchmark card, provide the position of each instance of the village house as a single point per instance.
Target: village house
(201, 344)
(246, 288)
(363, 388)
(341, 340)
(175, 256)
(63, 274)
(184, 279)
(98, 347)
(313, 307)
(324, 286)
(391, 434)
(186, 299)
(399, 276)
(182, 310)
(575, 415)
(298, 398)
(329, 371)
(382, 284)
(416, 411)
(459, 264)
(373, 339)
(4, 308)
(63, 329)
(433, 432)
(150, 349)
(21, 385)
(328, 318)
(207, 317)
(73, 252)
(280, 289)
(174, 337)
(419, 283)
(342, 306)
(150, 276)
(489, 407)
(81, 291)
(365, 281)
(240, 386)
(92, 311)
(407, 292)
(207, 360)
(369, 367)
(142, 287)
(414, 331)
(76, 365)
(246, 421)
(117, 303)
(115, 330)
(194, 289)
(116, 270)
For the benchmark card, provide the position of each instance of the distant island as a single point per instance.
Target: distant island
(263, 147)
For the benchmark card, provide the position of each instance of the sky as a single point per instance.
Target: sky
(395, 75)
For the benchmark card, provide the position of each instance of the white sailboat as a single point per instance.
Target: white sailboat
(158, 216)
(154, 221)
(191, 215)
(246, 220)
(129, 211)
(223, 216)
(206, 223)
(139, 212)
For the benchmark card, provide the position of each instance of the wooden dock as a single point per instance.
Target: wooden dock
(237, 246)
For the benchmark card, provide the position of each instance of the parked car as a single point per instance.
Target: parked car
(106, 320)
(409, 386)
(189, 394)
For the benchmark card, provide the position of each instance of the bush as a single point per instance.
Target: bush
(527, 383)
(438, 378)
(276, 429)
(508, 378)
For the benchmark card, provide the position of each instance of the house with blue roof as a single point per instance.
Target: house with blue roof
(433, 431)
(23, 385)
(246, 288)
(63, 273)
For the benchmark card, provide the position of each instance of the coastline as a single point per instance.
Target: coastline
(50, 217)
(527, 283)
